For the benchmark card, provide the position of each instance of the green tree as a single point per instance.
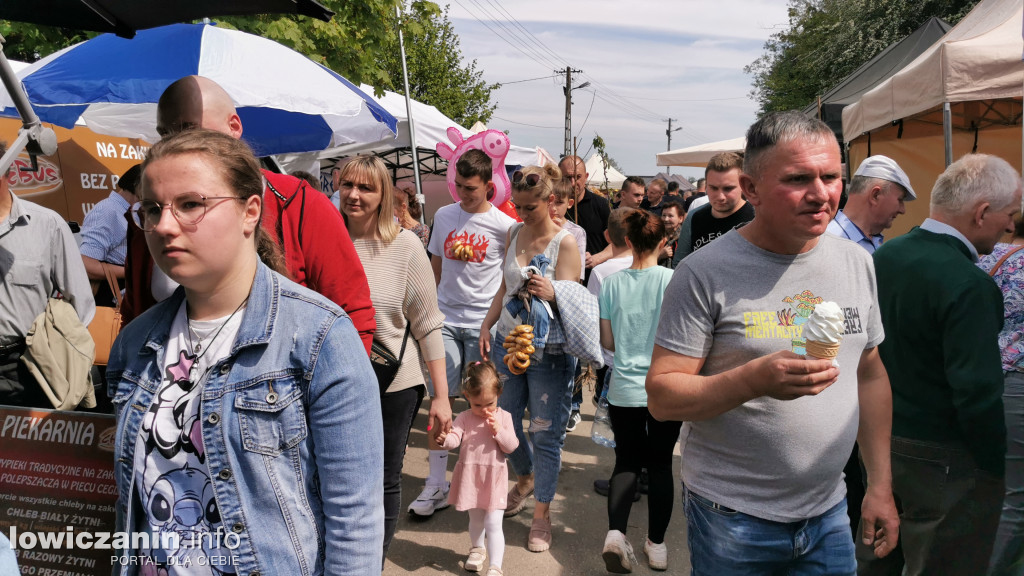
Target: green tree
(599, 146)
(438, 75)
(826, 40)
(28, 42)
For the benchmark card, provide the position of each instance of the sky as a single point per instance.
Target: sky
(646, 61)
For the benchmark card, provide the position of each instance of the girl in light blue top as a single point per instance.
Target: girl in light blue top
(630, 307)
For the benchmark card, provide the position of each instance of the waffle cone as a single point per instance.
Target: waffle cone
(822, 350)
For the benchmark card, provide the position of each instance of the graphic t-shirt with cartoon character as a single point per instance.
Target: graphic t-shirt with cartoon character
(472, 249)
(732, 302)
(172, 478)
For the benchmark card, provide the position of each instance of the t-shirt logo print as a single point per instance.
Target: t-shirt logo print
(785, 323)
(467, 247)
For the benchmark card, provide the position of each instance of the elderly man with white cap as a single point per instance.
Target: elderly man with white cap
(876, 194)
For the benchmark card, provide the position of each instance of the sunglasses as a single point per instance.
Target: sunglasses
(531, 179)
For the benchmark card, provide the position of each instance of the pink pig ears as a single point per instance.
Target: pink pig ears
(494, 143)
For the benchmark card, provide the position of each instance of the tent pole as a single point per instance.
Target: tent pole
(947, 132)
(33, 135)
(412, 124)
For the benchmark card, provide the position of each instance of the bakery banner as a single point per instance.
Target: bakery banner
(57, 490)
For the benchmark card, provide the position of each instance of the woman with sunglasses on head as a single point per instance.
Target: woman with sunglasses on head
(545, 387)
(244, 440)
(408, 211)
(404, 296)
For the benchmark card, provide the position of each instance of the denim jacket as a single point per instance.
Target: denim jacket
(297, 472)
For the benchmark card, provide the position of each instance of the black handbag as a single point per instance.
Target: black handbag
(385, 365)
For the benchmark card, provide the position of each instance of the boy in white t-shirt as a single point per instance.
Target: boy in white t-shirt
(467, 249)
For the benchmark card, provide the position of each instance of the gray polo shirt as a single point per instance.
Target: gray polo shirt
(38, 256)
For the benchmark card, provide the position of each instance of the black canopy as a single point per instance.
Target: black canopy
(873, 72)
(124, 17)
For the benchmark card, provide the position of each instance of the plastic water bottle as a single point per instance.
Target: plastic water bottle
(601, 431)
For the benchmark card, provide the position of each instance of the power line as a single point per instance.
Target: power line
(512, 34)
(525, 124)
(528, 80)
(518, 24)
(499, 35)
(592, 98)
(625, 103)
(688, 100)
(647, 117)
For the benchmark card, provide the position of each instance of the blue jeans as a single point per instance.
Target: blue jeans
(546, 389)
(398, 409)
(1008, 555)
(724, 542)
(461, 346)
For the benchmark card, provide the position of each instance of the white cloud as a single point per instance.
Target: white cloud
(643, 51)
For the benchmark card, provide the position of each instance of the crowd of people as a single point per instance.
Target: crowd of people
(260, 317)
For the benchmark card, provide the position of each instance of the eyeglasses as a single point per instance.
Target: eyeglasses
(531, 179)
(189, 209)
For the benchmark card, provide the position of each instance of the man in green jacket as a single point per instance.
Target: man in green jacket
(941, 316)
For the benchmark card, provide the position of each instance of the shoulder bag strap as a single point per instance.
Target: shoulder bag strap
(405, 340)
(1009, 253)
(108, 271)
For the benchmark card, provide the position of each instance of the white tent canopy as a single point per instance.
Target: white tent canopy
(596, 168)
(698, 156)
(431, 128)
(979, 59)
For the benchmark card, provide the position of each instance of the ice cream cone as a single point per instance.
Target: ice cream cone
(822, 350)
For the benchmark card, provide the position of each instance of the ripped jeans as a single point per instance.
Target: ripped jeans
(546, 390)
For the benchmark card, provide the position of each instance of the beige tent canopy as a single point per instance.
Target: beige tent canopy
(698, 156)
(961, 95)
(596, 168)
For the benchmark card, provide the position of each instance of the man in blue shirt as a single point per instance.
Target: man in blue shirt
(877, 194)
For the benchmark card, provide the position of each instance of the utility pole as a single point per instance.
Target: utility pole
(568, 149)
(668, 169)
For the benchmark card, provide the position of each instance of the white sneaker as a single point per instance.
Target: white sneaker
(657, 555)
(432, 498)
(618, 553)
(475, 561)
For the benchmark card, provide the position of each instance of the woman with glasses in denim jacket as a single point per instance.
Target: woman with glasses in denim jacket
(244, 439)
(404, 297)
(546, 385)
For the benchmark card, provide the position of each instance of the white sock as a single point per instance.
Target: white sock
(495, 537)
(438, 467)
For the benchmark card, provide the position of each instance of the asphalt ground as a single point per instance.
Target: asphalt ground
(439, 544)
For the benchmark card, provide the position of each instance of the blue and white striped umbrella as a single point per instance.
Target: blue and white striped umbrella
(287, 102)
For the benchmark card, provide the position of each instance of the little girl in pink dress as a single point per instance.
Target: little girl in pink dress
(480, 481)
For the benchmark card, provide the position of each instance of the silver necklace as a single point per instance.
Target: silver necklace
(198, 346)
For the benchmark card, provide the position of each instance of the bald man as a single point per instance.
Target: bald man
(317, 247)
(591, 211)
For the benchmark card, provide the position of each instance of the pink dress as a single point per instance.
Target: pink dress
(480, 479)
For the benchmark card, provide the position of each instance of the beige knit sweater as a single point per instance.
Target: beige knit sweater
(403, 292)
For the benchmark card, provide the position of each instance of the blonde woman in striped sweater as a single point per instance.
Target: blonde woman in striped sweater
(404, 295)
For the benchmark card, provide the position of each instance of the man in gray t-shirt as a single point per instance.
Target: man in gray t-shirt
(767, 430)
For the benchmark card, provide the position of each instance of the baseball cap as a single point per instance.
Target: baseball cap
(886, 168)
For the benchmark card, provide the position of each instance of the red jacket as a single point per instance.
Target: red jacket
(318, 252)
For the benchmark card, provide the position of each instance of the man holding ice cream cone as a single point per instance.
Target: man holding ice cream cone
(768, 428)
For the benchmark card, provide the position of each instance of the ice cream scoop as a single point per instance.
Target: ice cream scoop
(826, 324)
(823, 331)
